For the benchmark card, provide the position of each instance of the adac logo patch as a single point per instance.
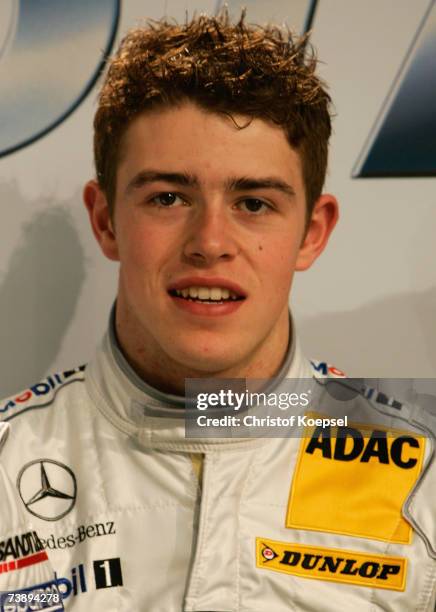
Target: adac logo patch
(331, 564)
(355, 480)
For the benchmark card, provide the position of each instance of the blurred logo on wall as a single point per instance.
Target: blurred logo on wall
(51, 53)
(402, 142)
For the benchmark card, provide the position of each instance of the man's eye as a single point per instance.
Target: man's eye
(167, 200)
(254, 206)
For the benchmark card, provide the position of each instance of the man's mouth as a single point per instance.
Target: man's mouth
(206, 295)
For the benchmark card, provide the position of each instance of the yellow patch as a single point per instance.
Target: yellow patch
(355, 484)
(336, 565)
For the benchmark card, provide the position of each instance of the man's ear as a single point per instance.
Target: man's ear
(323, 219)
(100, 218)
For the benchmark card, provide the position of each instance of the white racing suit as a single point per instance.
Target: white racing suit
(104, 471)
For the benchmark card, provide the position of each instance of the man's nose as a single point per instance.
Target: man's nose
(211, 237)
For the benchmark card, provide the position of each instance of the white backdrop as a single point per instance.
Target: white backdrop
(367, 306)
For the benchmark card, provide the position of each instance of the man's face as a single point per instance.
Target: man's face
(208, 224)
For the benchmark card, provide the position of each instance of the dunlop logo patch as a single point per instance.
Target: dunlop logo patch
(336, 565)
(355, 480)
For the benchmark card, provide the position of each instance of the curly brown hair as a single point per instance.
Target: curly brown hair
(262, 72)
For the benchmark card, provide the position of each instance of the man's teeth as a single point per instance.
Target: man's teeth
(211, 294)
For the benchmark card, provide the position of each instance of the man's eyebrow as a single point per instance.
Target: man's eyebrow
(184, 179)
(151, 176)
(268, 182)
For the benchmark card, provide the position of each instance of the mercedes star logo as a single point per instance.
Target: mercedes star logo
(47, 488)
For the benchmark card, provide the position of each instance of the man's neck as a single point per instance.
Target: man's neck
(160, 371)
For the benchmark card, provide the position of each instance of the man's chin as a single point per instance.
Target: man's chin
(211, 363)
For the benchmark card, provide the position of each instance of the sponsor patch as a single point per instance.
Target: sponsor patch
(323, 369)
(382, 398)
(332, 564)
(354, 481)
(47, 488)
(105, 573)
(78, 535)
(39, 395)
(21, 551)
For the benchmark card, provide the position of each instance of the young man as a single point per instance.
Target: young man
(211, 152)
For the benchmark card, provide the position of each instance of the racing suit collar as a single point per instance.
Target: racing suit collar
(157, 419)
